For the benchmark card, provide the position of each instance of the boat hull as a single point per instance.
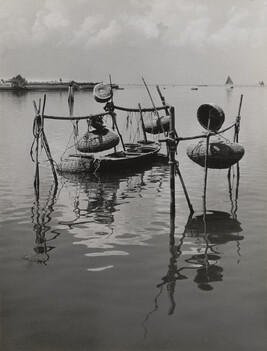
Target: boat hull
(126, 159)
(132, 157)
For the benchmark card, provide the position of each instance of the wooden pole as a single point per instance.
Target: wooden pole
(206, 170)
(36, 132)
(110, 82)
(184, 189)
(142, 122)
(113, 115)
(172, 161)
(37, 175)
(47, 148)
(164, 104)
(162, 100)
(70, 95)
(114, 122)
(238, 118)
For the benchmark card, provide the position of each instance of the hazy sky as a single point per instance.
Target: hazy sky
(165, 41)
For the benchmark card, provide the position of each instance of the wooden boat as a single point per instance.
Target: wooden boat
(91, 152)
(134, 156)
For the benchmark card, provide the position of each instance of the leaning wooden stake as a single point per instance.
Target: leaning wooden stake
(162, 100)
(113, 115)
(176, 166)
(156, 111)
(142, 122)
(184, 189)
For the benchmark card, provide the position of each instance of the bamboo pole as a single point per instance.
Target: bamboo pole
(184, 189)
(172, 162)
(47, 148)
(162, 100)
(156, 111)
(64, 118)
(71, 94)
(142, 122)
(36, 132)
(37, 175)
(130, 109)
(238, 118)
(113, 115)
(114, 122)
(206, 171)
(164, 104)
(110, 82)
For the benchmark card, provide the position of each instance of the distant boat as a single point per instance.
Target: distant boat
(194, 88)
(261, 83)
(229, 83)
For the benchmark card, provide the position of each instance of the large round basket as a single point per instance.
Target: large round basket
(157, 125)
(98, 140)
(102, 92)
(76, 164)
(213, 113)
(221, 153)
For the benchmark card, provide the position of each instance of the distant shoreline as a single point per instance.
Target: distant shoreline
(55, 86)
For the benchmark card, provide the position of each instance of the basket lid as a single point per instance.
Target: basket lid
(210, 116)
(102, 92)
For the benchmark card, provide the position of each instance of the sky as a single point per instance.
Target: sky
(164, 41)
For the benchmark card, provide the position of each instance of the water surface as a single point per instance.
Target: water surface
(93, 267)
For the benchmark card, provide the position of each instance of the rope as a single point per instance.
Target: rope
(37, 133)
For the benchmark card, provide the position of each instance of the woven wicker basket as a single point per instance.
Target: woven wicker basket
(155, 126)
(75, 164)
(98, 140)
(102, 93)
(212, 111)
(221, 153)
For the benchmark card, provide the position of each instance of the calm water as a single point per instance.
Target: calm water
(90, 267)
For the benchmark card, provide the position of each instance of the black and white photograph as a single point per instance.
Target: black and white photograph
(133, 175)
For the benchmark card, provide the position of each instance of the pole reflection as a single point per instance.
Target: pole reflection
(41, 217)
(198, 253)
(98, 204)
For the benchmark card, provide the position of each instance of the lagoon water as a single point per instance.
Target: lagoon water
(91, 267)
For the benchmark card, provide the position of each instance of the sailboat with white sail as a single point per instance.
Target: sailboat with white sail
(229, 83)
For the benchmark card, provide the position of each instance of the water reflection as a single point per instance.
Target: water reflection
(41, 217)
(214, 229)
(197, 253)
(97, 203)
